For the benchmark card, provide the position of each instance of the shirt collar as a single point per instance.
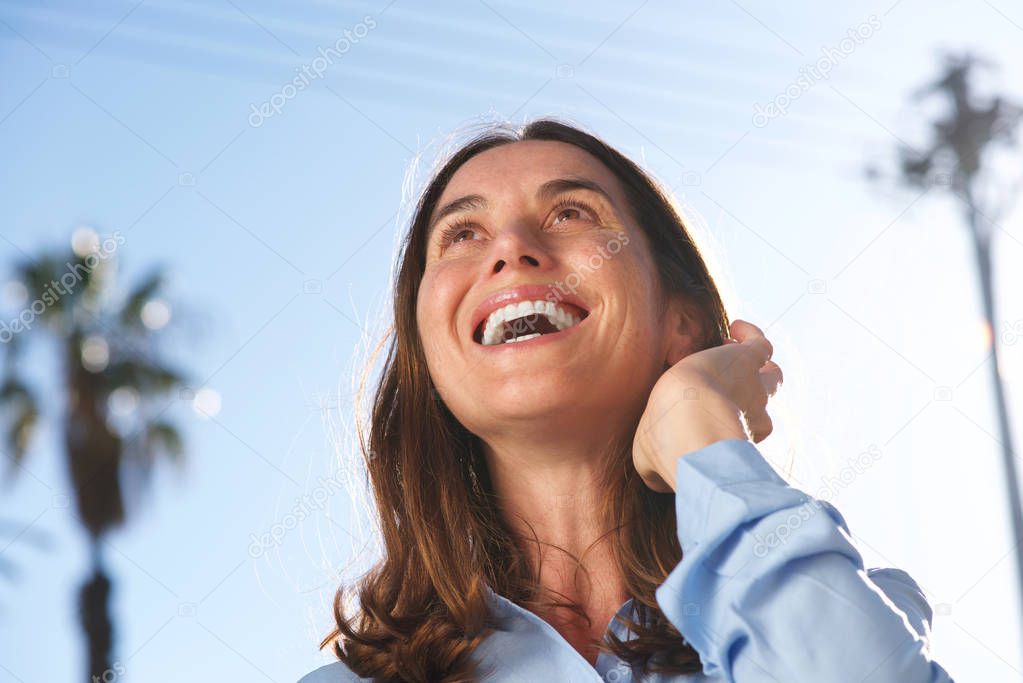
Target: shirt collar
(507, 611)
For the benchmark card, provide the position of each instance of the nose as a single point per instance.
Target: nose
(523, 258)
(517, 246)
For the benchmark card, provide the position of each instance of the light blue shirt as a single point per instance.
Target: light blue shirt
(770, 588)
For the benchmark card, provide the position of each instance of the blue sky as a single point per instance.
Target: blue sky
(279, 233)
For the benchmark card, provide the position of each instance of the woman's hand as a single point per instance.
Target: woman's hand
(714, 394)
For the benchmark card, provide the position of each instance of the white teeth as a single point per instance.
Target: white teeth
(494, 327)
(524, 337)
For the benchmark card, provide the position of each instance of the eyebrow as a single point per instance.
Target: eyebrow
(546, 192)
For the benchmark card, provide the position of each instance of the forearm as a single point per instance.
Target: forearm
(701, 418)
(770, 582)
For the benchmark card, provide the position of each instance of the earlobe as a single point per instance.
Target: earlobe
(681, 346)
(682, 332)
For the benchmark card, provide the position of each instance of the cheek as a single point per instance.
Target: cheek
(631, 285)
(426, 320)
(436, 308)
(628, 277)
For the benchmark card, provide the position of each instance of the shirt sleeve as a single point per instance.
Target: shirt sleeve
(335, 672)
(771, 588)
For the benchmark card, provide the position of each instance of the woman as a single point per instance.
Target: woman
(561, 453)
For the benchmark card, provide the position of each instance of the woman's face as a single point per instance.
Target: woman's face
(581, 251)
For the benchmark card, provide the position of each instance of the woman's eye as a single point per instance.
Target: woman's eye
(454, 233)
(573, 212)
(566, 212)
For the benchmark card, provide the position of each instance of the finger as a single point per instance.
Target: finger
(740, 328)
(771, 377)
(753, 337)
(760, 426)
(655, 482)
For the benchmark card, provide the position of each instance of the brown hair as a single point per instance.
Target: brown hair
(423, 608)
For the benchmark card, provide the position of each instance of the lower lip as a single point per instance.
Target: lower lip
(542, 340)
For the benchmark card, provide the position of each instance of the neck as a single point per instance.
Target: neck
(555, 486)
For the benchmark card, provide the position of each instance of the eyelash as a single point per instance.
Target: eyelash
(450, 232)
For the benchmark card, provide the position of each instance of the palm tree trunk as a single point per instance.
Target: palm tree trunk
(982, 250)
(94, 614)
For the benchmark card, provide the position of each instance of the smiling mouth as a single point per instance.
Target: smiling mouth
(525, 320)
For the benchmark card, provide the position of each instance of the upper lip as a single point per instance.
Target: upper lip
(527, 292)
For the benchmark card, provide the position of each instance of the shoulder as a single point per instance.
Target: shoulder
(900, 587)
(335, 672)
(907, 595)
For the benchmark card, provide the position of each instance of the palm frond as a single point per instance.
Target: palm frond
(131, 312)
(20, 412)
(56, 282)
(163, 437)
(143, 375)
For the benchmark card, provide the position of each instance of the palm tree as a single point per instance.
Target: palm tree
(961, 160)
(112, 376)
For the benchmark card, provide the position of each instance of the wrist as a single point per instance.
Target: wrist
(695, 423)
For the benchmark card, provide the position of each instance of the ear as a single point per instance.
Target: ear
(682, 329)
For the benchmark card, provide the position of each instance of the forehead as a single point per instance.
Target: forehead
(516, 169)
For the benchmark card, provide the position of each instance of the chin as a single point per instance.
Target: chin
(531, 397)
